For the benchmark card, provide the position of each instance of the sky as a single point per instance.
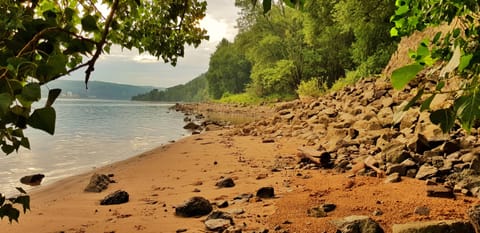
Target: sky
(128, 67)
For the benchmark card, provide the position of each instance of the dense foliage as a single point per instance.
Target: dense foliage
(456, 53)
(279, 47)
(193, 91)
(42, 40)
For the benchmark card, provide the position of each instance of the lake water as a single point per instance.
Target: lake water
(89, 134)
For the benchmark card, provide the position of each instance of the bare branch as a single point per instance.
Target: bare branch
(100, 44)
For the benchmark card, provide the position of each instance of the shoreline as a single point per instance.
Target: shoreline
(166, 176)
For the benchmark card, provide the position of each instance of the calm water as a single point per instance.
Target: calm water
(91, 133)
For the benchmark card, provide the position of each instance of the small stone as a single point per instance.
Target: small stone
(426, 171)
(181, 230)
(393, 178)
(195, 206)
(316, 212)
(377, 212)
(218, 225)
(222, 204)
(266, 192)
(196, 190)
(328, 207)
(98, 183)
(236, 211)
(117, 197)
(422, 210)
(225, 183)
(268, 140)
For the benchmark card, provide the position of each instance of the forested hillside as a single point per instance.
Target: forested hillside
(195, 90)
(275, 53)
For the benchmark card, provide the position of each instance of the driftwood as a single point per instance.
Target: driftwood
(368, 162)
(309, 154)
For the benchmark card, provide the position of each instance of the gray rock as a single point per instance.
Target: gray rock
(395, 153)
(192, 126)
(217, 225)
(396, 168)
(447, 226)
(220, 215)
(225, 183)
(316, 212)
(115, 198)
(426, 171)
(266, 192)
(439, 191)
(195, 206)
(233, 229)
(98, 183)
(357, 224)
(422, 210)
(393, 178)
(474, 217)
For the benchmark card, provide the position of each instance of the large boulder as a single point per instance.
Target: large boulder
(115, 198)
(98, 183)
(195, 206)
(448, 226)
(32, 180)
(357, 224)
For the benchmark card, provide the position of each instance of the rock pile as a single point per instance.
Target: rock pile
(363, 128)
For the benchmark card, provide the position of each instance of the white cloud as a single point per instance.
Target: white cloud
(127, 66)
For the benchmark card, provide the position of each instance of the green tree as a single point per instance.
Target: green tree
(43, 40)
(228, 71)
(368, 20)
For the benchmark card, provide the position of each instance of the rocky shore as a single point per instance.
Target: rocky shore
(361, 131)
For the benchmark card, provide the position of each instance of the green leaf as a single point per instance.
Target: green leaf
(456, 32)
(393, 32)
(267, 5)
(402, 10)
(31, 92)
(5, 102)
(44, 119)
(436, 37)
(21, 190)
(403, 75)
(25, 143)
(89, 23)
(445, 118)
(7, 149)
(440, 85)
(52, 96)
(468, 110)
(9, 211)
(464, 61)
(426, 104)
(24, 201)
(413, 100)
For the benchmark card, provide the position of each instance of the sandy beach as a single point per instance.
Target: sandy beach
(165, 177)
(157, 181)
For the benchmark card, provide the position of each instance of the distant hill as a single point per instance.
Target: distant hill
(96, 90)
(193, 91)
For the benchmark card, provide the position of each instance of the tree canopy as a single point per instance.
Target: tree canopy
(43, 40)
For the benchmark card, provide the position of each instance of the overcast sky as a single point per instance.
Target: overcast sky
(128, 67)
